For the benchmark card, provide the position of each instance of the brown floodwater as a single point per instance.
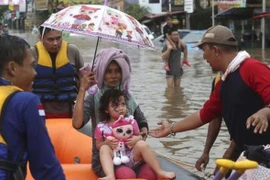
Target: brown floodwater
(159, 103)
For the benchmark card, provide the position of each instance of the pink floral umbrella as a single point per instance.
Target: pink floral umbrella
(100, 21)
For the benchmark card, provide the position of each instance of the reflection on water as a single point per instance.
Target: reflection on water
(175, 103)
(160, 103)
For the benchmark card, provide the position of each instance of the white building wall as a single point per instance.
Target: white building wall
(154, 8)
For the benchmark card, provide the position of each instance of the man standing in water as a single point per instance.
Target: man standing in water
(175, 71)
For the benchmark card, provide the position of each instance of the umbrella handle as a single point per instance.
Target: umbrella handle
(95, 55)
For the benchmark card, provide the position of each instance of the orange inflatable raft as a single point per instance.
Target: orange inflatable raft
(72, 148)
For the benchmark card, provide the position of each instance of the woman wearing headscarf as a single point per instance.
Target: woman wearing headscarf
(112, 69)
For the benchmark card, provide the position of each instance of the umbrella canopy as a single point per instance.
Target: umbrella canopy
(100, 21)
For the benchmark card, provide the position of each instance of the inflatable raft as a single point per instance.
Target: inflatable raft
(73, 149)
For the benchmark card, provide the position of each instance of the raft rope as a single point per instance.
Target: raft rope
(206, 175)
(175, 161)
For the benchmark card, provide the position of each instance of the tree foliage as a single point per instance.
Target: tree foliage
(136, 11)
(209, 3)
(3, 8)
(198, 5)
(202, 19)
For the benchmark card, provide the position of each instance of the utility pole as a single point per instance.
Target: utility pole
(170, 5)
(213, 13)
(263, 29)
(189, 8)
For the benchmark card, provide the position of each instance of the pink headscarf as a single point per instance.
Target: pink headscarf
(102, 61)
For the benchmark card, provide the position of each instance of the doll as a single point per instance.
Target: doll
(122, 129)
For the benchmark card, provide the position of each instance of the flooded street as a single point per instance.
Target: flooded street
(159, 103)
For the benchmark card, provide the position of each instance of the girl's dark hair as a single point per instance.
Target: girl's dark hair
(110, 95)
(12, 48)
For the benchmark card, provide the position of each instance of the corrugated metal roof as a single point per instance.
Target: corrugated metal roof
(241, 13)
(236, 14)
(164, 14)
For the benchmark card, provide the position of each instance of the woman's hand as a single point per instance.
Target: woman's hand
(162, 131)
(87, 81)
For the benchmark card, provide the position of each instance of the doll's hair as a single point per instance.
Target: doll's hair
(110, 95)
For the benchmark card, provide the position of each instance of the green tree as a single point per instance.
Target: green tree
(3, 8)
(198, 5)
(136, 10)
(209, 3)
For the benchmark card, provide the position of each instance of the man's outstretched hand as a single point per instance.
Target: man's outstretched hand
(162, 131)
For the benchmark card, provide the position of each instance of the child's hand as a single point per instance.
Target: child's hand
(112, 142)
(186, 62)
(133, 140)
(169, 46)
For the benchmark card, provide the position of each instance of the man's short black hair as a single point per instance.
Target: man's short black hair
(12, 48)
(226, 48)
(45, 29)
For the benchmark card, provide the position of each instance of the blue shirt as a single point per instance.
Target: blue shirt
(24, 128)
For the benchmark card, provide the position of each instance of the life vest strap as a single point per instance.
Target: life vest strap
(54, 86)
(69, 100)
(57, 92)
(8, 165)
(55, 76)
(13, 167)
